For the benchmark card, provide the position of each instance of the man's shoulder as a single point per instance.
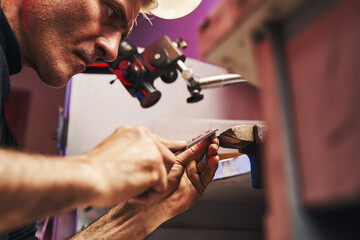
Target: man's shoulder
(3, 63)
(4, 79)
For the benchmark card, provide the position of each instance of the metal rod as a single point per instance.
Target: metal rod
(221, 80)
(186, 73)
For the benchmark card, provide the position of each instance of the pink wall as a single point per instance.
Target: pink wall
(144, 34)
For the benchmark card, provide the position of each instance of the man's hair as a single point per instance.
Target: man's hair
(147, 6)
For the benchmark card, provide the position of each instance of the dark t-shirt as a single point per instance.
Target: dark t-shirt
(10, 63)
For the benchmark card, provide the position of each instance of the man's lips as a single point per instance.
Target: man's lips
(86, 60)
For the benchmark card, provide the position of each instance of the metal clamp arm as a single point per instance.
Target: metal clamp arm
(221, 80)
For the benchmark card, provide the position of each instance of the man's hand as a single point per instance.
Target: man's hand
(186, 187)
(186, 181)
(130, 163)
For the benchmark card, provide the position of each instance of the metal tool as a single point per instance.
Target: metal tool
(138, 71)
(207, 134)
(247, 139)
(195, 84)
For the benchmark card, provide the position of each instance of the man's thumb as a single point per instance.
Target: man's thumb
(196, 152)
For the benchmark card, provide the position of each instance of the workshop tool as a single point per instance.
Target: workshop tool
(207, 134)
(248, 140)
(138, 71)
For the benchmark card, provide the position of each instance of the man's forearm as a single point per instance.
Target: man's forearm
(130, 220)
(34, 186)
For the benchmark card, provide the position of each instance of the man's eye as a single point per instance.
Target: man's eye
(111, 12)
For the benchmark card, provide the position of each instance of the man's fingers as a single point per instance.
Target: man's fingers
(215, 140)
(195, 177)
(196, 153)
(208, 174)
(168, 156)
(161, 184)
(174, 146)
(213, 150)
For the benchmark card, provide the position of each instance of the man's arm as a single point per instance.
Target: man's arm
(128, 163)
(130, 220)
(137, 219)
(33, 186)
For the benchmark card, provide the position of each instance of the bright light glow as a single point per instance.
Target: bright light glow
(171, 9)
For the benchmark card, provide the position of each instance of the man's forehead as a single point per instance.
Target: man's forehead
(131, 8)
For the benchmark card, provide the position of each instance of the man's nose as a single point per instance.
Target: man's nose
(107, 44)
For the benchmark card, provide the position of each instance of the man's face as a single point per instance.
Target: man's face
(61, 37)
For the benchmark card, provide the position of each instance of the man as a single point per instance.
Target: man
(132, 168)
